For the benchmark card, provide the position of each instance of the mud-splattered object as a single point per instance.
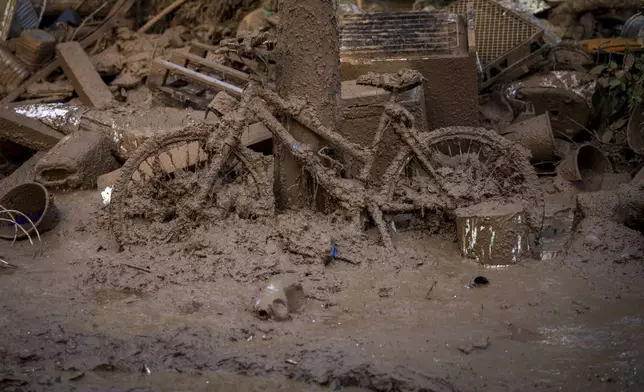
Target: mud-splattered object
(279, 299)
(77, 161)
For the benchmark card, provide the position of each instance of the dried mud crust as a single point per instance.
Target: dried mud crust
(170, 202)
(472, 165)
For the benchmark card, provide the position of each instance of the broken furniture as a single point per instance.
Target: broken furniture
(439, 46)
(191, 78)
(507, 44)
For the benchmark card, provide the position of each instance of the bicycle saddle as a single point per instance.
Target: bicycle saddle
(403, 80)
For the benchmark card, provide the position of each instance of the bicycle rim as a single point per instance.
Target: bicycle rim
(471, 165)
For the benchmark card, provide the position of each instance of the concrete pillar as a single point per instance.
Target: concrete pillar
(308, 66)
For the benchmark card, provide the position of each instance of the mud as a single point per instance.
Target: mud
(80, 317)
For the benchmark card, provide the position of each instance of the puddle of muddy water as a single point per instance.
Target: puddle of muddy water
(172, 382)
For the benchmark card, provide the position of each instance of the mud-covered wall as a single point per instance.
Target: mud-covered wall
(308, 66)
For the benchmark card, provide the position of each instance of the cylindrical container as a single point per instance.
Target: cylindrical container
(35, 48)
(12, 71)
(32, 200)
(535, 134)
(493, 233)
(586, 166)
(635, 130)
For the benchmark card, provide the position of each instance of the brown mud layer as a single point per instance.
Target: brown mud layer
(83, 316)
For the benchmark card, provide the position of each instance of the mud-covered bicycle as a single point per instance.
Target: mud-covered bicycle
(195, 175)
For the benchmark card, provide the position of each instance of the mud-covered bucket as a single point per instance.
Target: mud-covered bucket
(585, 165)
(535, 134)
(32, 200)
(635, 130)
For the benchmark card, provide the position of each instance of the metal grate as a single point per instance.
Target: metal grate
(497, 29)
(399, 33)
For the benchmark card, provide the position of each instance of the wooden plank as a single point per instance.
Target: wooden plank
(200, 78)
(27, 131)
(80, 71)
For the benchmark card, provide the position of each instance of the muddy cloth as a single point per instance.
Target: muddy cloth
(77, 161)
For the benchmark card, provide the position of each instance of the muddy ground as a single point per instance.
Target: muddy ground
(82, 317)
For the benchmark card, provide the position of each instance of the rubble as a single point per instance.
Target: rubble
(553, 177)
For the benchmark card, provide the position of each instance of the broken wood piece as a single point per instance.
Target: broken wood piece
(493, 233)
(27, 131)
(160, 15)
(80, 71)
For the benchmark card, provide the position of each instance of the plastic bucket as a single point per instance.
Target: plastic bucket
(535, 134)
(33, 200)
(586, 165)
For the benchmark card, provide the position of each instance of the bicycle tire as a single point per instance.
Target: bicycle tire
(151, 146)
(519, 158)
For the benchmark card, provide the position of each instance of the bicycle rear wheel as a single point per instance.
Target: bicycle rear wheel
(156, 197)
(470, 165)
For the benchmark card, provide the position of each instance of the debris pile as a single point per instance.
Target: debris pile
(561, 81)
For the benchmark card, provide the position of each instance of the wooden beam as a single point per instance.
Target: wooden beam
(27, 131)
(81, 72)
